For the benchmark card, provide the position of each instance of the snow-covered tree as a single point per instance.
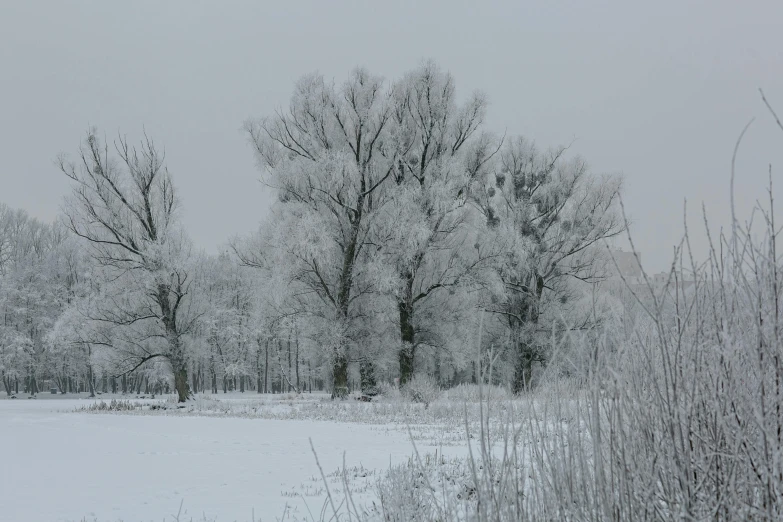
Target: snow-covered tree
(328, 157)
(124, 207)
(395, 211)
(289, 327)
(432, 235)
(39, 271)
(227, 325)
(558, 215)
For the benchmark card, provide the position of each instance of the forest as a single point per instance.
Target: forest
(399, 223)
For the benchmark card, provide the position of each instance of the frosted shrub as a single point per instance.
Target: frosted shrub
(430, 487)
(421, 389)
(404, 495)
(113, 405)
(405, 491)
(470, 393)
(389, 392)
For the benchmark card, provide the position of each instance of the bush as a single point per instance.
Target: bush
(471, 393)
(113, 405)
(421, 389)
(388, 392)
(431, 487)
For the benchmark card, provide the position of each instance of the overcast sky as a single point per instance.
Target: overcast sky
(657, 91)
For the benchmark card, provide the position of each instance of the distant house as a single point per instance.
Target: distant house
(678, 279)
(660, 279)
(629, 266)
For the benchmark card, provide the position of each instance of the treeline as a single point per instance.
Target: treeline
(404, 235)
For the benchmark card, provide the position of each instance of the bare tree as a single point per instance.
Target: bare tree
(125, 206)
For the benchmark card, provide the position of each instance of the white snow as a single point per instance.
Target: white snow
(63, 466)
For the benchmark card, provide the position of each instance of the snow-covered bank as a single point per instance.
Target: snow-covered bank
(70, 466)
(440, 423)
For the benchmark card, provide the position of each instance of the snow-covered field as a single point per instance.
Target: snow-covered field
(58, 465)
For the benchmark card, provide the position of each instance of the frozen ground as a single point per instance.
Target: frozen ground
(64, 466)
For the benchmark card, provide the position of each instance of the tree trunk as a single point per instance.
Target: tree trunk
(525, 349)
(408, 349)
(523, 369)
(180, 369)
(181, 383)
(437, 374)
(176, 356)
(90, 381)
(340, 376)
(60, 383)
(7, 384)
(296, 338)
(194, 378)
(367, 375)
(289, 363)
(266, 366)
(340, 354)
(179, 366)
(280, 363)
(259, 389)
(90, 377)
(259, 381)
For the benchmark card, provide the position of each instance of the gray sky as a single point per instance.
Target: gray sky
(658, 91)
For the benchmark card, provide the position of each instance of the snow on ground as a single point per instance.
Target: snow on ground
(64, 466)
